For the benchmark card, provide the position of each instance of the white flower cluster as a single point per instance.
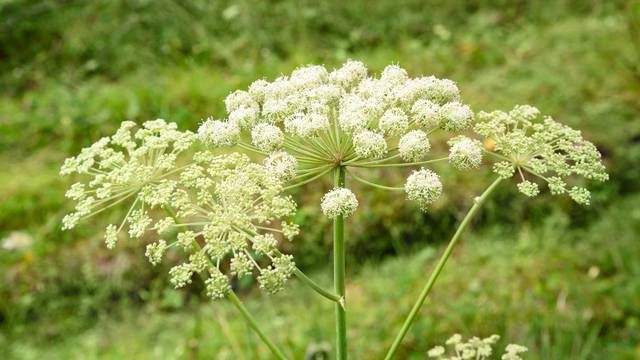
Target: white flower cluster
(131, 163)
(339, 201)
(223, 206)
(343, 117)
(424, 187)
(542, 147)
(475, 348)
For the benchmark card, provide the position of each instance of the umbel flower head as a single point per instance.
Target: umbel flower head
(133, 162)
(343, 118)
(474, 348)
(538, 147)
(224, 208)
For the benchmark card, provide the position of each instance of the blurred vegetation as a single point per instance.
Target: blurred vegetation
(545, 273)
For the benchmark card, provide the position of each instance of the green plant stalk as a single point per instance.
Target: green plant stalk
(254, 325)
(438, 269)
(316, 287)
(339, 274)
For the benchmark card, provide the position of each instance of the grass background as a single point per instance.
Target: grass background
(545, 273)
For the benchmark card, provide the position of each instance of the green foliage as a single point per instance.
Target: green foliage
(71, 71)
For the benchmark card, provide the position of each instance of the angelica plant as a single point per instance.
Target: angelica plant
(315, 122)
(204, 195)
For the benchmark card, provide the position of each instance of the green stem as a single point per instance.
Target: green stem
(315, 286)
(436, 272)
(366, 182)
(254, 325)
(339, 274)
(374, 165)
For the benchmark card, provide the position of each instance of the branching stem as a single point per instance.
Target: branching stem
(438, 269)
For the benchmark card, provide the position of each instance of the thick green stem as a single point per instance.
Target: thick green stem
(338, 274)
(254, 325)
(438, 269)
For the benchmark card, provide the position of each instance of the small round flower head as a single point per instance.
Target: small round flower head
(414, 145)
(424, 187)
(426, 113)
(339, 202)
(239, 99)
(180, 275)
(258, 90)
(465, 153)
(155, 251)
(394, 74)
(528, 188)
(393, 122)
(455, 117)
(244, 117)
(272, 278)
(281, 165)
(241, 265)
(436, 352)
(218, 133)
(267, 137)
(306, 125)
(290, 230)
(442, 91)
(264, 244)
(580, 195)
(368, 144)
(542, 148)
(217, 285)
(349, 74)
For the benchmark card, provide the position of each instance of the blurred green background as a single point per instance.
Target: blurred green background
(562, 280)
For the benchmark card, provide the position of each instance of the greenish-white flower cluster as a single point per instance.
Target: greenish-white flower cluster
(345, 117)
(530, 145)
(134, 162)
(474, 348)
(223, 208)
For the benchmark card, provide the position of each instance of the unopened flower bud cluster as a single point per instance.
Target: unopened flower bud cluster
(223, 207)
(532, 147)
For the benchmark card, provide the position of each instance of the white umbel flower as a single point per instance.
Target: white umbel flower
(244, 117)
(339, 201)
(218, 133)
(239, 99)
(455, 117)
(424, 187)
(414, 145)
(282, 165)
(349, 74)
(267, 137)
(393, 122)
(426, 113)
(368, 144)
(465, 153)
